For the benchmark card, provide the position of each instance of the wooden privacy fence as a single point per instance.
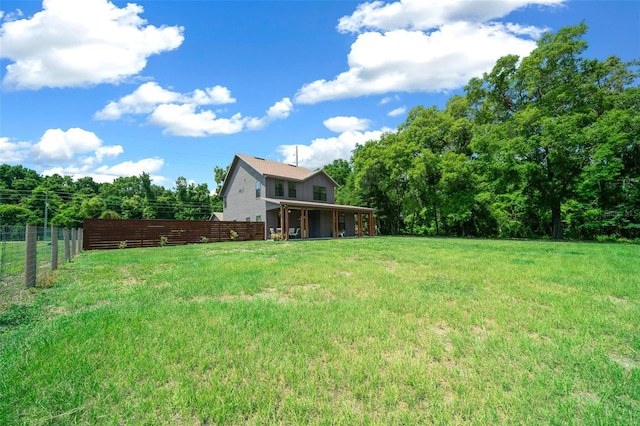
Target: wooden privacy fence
(129, 233)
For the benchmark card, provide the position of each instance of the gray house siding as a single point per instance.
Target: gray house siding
(240, 196)
(304, 190)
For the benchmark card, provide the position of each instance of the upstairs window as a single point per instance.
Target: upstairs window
(258, 189)
(279, 188)
(292, 190)
(320, 193)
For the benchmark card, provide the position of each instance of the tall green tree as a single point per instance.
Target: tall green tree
(532, 115)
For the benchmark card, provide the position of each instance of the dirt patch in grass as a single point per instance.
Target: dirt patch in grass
(269, 293)
(625, 362)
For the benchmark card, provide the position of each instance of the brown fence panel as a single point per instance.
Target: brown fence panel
(129, 233)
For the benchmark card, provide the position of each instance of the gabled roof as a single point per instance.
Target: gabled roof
(274, 169)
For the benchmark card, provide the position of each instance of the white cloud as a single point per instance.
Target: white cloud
(322, 151)
(423, 46)
(110, 173)
(343, 124)
(130, 168)
(59, 146)
(184, 120)
(425, 15)
(180, 113)
(278, 111)
(217, 95)
(414, 61)
(388, 99)
(74, 43)
(398, 111)
(13, 152)
(77, 153)
(149, 95)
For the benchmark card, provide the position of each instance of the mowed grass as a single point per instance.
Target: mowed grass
(350, 331)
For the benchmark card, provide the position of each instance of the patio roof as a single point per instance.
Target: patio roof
(318, 206)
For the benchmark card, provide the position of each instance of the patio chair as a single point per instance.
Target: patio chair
(271, 232)
(294, 232)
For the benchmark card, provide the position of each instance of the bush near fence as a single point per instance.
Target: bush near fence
(136, 233)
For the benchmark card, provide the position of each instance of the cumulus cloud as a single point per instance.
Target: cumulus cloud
(343, 124)
(185, 120)
(414, 61)
(110, 173)
(423, 46)
(13, 152)
(180, 114)
(425, 15)
(398, 111)
(77, 153)
(322, 151)
(73, 43)
(73, 145)
(278, 111)
(149, 95)
(130, 168)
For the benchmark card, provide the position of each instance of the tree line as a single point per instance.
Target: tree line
(27, 197)
(542, 146)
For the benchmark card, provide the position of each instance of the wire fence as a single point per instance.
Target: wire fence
(28, 255)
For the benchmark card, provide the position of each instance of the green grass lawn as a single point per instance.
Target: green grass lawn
(349, 331)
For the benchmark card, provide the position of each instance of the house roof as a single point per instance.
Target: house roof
(275, 169)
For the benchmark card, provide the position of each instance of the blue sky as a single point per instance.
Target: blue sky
(174, 88)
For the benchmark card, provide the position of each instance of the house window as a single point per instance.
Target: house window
(258, 186)
(247, 219)
(258, 218)
(279, 188)
(292, 190)
(341, 223)
(320, 193)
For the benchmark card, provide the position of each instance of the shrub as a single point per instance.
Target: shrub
(233, 235)
(122, 244)
(204, 239)
(276, 237)
(163, 240)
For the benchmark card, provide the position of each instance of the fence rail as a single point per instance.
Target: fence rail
(120, 233)
(28, 254)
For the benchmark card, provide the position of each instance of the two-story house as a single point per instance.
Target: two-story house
(293, 201)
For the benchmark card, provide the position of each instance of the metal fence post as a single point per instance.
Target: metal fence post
(74, 241)
(30, 256)
(67, 246)
(54, 248)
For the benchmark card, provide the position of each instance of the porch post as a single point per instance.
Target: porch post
(285, 230)
(281, 221)
(359, 224)
(304, 223)
(334, 224)
(371, 225)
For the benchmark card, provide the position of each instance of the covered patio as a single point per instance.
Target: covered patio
(303, 220)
